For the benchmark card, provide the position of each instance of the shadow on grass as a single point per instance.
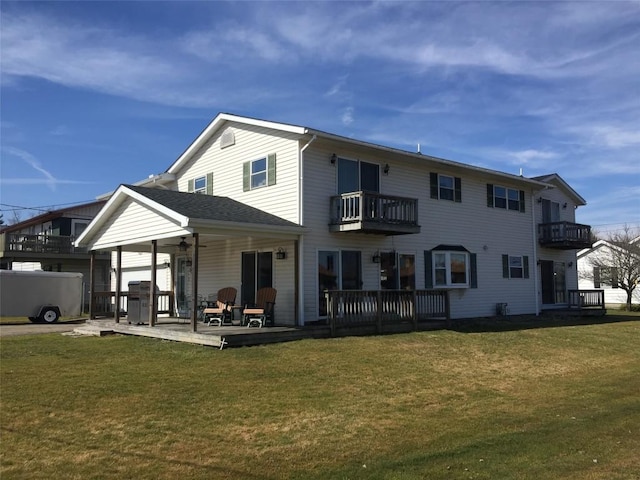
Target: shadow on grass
(547, 320)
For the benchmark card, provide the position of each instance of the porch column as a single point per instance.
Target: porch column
(194, 283)
(92, 284)
(153, 303)
(118, 281)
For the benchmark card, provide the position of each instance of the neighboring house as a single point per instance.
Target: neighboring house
(593, 277)
(46, 242)
(306, 211)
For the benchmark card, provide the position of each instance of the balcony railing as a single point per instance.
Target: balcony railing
(368, 212)
(564, 235)
(358, 308)
(586, 299)
(50, 244)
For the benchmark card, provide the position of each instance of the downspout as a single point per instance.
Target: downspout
(300, 249)
(535, 253)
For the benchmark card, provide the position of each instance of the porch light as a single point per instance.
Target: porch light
(539, 199)
(281, 254)
(188, 263)
(334, 159)
(386, 169)
(564, 205)
(376, 257)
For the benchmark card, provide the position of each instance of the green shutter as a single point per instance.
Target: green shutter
(505, 266)
(428, 270)
(458, 190)
(271, 169)
(210, 183)
(489, 195)
(525, 266)
(433, 181)
(473, 281)
(522, 201)
(246, 176)
(190, 185)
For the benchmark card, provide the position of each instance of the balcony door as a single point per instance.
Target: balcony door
(553, 279)
(550, 211)
(397, 271)
(257, 272)
(337, 270)
(355, 176)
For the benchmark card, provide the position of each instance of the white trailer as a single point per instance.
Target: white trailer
(41, 296)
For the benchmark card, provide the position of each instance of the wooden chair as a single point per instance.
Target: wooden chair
(262, 312)
(220, 310)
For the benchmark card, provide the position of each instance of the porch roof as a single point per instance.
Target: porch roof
(167, 214)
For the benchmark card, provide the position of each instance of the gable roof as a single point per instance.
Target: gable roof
(188, 213)
(555, 179)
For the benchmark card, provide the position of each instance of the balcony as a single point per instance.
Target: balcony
(23, 247)
(564, 235)
(367, 212)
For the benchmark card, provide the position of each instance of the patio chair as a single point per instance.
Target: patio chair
(262, 312)
(220, 310)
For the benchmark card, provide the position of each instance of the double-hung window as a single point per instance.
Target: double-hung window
(202, 185)
(515, 266)
(259, 173)
(445, 187)
(507, 198)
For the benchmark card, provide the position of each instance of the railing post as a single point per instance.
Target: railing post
(379, 311)
(414, 314)
(447, 308)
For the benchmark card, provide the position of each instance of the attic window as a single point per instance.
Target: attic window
(227, 138)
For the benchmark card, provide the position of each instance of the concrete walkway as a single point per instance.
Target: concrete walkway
(39, 328)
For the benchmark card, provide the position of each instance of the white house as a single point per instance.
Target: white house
(253, 203)
(591, 276)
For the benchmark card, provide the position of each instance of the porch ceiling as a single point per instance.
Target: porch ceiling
(135, 216)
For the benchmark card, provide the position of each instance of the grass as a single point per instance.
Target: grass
(540, 403)
(25, 320)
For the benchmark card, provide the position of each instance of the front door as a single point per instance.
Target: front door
(182, 297)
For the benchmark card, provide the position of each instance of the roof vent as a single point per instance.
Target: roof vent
(227, 138)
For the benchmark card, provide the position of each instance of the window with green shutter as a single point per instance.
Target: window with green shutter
(259, 173)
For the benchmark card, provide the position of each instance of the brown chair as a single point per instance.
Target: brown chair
(220, 311)
(262, 312)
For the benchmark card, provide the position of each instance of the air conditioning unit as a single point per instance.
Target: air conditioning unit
(502, 309)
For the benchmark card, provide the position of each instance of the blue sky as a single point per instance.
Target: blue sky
(95, 94)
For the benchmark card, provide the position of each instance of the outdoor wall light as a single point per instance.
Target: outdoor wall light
(281, 254)
(564, 205)
(189, 263)
(570, 264)
(376, 257)
(386, 169)
(539, 199)
(334, 159)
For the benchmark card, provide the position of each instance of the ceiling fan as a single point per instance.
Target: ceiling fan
(183, 246)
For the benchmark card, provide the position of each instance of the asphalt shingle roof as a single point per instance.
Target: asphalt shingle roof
(209, 207)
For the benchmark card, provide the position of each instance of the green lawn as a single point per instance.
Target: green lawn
(557, 402)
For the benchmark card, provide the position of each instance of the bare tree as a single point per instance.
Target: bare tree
(618, 264)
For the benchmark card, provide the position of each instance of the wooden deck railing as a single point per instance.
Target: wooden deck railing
(374, 211)
(354, 308)
(58, 244)
(586, 299)
(564, 235)
(104, 302)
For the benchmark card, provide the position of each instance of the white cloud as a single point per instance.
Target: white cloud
(347, 116)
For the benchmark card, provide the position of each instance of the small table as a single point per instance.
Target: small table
(234, 309)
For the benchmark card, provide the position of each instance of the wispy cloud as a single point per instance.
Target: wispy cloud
(46, 178)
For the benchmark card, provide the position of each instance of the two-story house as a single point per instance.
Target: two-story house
(253, 203)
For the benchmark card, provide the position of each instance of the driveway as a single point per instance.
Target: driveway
(36, 328)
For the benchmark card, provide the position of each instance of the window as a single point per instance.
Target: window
(515, 266)
(202, 185)
(449, 268)
(603, 276)
(507, 198)
(259, 173)
(397, 271)
(445, 187)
